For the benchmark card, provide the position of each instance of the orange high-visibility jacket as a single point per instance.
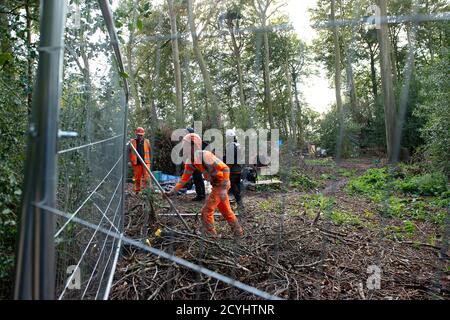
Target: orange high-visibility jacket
(133, 157)
(213, 169)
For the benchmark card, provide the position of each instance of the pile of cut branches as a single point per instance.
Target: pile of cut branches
(291, 259)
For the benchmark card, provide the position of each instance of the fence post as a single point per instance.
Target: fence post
(35, 264)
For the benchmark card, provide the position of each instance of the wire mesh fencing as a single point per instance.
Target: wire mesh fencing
(90, 156)
(352, 27)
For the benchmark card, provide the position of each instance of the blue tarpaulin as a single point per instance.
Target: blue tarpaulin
(165, 178)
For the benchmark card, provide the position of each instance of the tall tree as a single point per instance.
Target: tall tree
(130, 59)
(176, 64)
(337, 79)
(371, 43)
(30, 59)
(232, 18)
(387, 81)
(213, 115)
(261, 8)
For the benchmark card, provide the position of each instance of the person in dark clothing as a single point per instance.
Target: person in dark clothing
(140, 146)
(250, 174)
(235, 168)
(199, 186)
(197, 177)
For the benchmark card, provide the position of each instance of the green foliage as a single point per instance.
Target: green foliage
(317, 203)
(372, 183)
(13, 119)
(430, 184)
(301, 181)
(329, 132)
(407, 180)
(345, 218)
(439, 217)
(139, 24)
(325, 176)
(124, 75)
(346, 172)
(270, 205)
(328, 162)
(443, 201)
(14, 87)
(394, 232)
(427, 108)
(407, 229)
(5, 58)
(10, 194)
(395, 206)
(435, 111)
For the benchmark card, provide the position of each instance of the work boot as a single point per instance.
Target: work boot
(208, 230)
(236, 228)
(210, 234)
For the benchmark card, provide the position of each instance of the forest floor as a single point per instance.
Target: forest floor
(311, 238)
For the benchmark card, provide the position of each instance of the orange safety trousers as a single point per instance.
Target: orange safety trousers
(140, 173)
(214, 201)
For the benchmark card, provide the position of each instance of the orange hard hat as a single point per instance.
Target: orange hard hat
(140, 131)
(193, 138)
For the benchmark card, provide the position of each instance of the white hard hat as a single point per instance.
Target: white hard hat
(231, 133)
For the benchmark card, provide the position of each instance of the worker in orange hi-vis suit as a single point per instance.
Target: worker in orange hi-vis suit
(218, 173)
(143, 147)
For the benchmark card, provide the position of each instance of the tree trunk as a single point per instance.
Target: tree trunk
(154, 114)
(300, 130)
(176, 64)
(267, 84)
(430, 35)
(131, 74)
(87, 87)
(29, 57)
(337, 81)
(387, 82)
(351, 86)
(293, 115)
(399, 152)
(373, 73)
(394, 54)
(154, 87)
(196, 114)
(212, 116)
(134, 88)
(237, 57)
(132, 78)
(5, 45)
